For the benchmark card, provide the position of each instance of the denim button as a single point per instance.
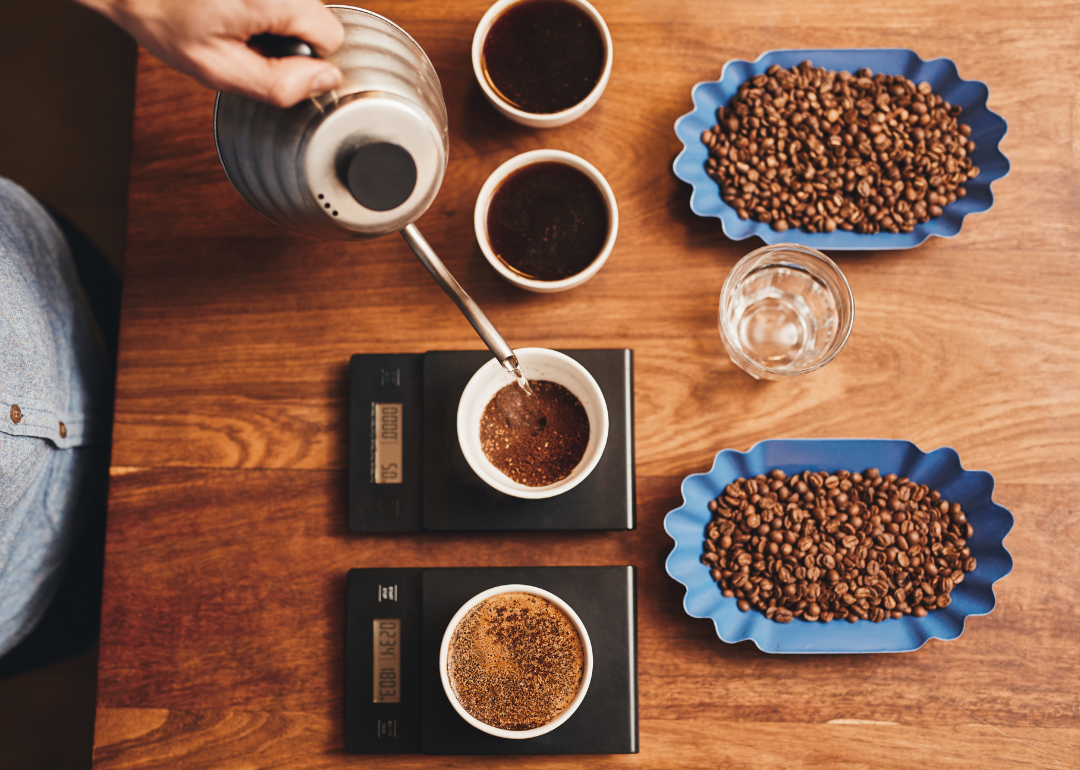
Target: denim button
(16, 414)
(63, 430)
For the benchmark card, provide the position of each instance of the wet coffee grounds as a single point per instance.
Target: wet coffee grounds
(515, 661)
(824, 546)
(535, 440)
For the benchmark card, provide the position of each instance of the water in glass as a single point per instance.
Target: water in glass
(784, 317)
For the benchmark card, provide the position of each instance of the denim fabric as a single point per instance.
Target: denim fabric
(54, 410)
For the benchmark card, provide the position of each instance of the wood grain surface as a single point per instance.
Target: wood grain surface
(222, 637)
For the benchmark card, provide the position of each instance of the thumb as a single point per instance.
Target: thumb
(281, 82)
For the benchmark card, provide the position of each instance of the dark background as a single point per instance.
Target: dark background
(67, 86)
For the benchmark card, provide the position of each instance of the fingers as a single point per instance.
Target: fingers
(208, 40)
(310, 21)
(281, 82)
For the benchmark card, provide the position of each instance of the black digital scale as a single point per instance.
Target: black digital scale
(407, 472)
(395, 621)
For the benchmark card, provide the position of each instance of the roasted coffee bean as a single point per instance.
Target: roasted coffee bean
(818, 149)
(846, 545)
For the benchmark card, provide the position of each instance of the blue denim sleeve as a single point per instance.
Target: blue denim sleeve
(54, 410)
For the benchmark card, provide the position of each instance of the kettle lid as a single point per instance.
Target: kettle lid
(381, 176)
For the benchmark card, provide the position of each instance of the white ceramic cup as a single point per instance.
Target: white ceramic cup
(536, 364)
(537, 119)
(444, 650)
(483, 202)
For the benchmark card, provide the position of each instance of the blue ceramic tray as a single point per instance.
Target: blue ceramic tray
(940, 470)
(987, 131)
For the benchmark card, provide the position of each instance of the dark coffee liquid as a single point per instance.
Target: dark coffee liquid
(515, 661)
(543, 56)
(547, 221)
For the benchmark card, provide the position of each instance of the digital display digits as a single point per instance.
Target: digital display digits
(387, 680)
(386, 435)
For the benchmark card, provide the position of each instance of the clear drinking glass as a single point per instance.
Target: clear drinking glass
(785, 310)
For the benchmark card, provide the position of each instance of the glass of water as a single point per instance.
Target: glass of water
(785, 310)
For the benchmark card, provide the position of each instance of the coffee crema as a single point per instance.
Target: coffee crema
(543, 56)
(547, 221)
(515, 661)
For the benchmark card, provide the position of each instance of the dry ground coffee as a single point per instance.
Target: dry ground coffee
(515, 661)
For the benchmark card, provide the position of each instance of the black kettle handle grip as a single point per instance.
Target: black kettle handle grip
(279, 46)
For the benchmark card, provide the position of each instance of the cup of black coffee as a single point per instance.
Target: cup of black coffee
(546, 220)
(542, 63)
(515, 661)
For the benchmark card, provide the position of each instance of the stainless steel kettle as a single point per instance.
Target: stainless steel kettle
(362, 161)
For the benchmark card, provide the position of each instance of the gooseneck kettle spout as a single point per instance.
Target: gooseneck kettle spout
(477, 317)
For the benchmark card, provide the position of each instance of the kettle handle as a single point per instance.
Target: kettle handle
(279, 46)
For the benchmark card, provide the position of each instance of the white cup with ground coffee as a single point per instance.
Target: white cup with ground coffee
(515, 661)
(539, 445)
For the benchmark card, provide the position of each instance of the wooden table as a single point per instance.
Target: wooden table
(222, 638)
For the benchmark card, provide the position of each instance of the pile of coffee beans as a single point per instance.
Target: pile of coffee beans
(819, 546)
(821, 150)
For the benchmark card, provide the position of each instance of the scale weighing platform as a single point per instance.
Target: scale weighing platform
(394, 624)
(407, 472)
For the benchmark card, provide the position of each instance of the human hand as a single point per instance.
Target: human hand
(207, 39)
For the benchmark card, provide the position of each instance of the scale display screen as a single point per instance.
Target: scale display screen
(386, 437)
(387, 671)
